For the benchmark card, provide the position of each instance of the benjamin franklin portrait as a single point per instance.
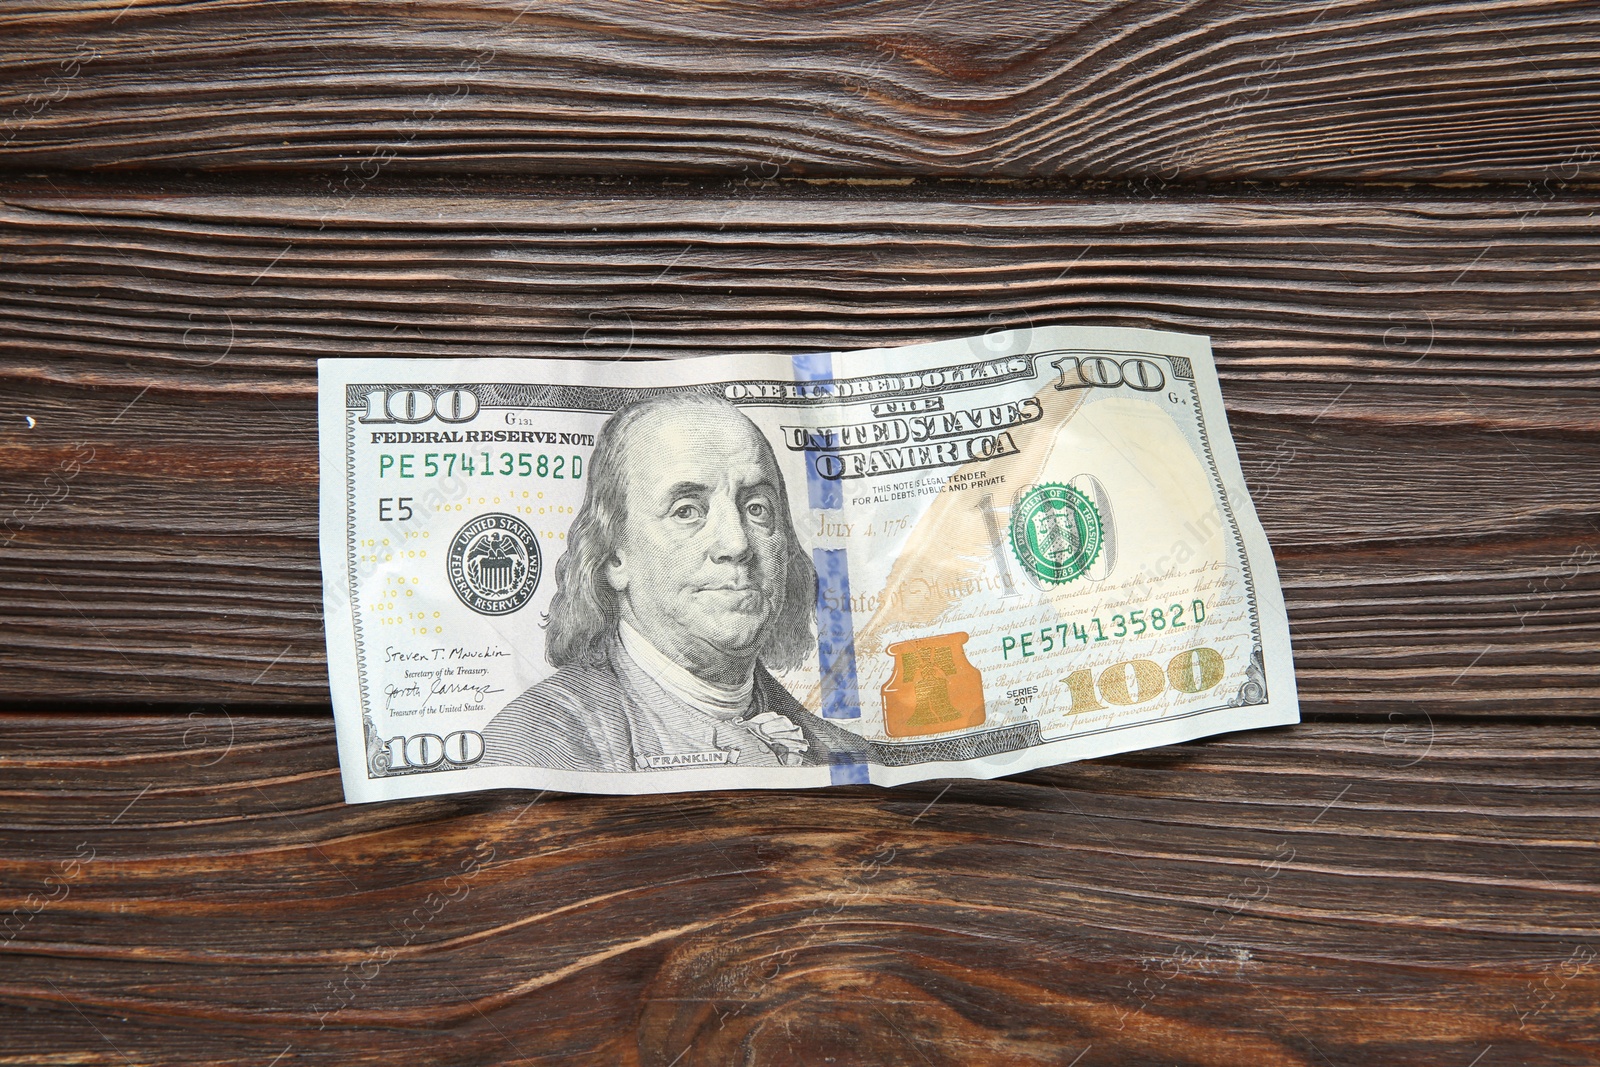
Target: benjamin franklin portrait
(682, 584)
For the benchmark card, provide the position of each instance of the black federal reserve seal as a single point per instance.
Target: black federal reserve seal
(494, 564)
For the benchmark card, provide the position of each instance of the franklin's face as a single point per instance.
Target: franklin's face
(700, 565)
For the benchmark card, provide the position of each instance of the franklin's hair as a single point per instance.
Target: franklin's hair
(583, 615)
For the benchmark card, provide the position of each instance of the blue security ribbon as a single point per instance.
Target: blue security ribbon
(836, 642)
(836, 639)
(825, 494)
(848, 771)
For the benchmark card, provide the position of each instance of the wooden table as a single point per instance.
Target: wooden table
(1383, 214)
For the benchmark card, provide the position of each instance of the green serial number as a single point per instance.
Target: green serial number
(1047, 639)
(479, 465)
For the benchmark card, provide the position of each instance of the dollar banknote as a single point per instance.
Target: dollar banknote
(969, 558)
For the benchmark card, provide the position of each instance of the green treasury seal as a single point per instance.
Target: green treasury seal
(1055, 532)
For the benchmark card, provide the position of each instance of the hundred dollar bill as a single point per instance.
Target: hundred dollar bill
(969, 558)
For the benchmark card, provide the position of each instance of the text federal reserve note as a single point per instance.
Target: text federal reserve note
(969, 558)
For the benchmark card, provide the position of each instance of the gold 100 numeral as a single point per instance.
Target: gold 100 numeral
(1135, 681)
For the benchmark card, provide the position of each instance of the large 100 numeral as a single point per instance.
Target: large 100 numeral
(1086, 372)
(421, 752)
(419, 405)
(1135, 681)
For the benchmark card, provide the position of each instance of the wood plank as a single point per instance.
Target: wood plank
(1445, 294)
(1328, 894)
(1191, 90)
(1429, 489)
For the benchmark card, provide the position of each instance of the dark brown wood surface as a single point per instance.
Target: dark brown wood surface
(1320, 894)
(1151, 90)
(197, 201)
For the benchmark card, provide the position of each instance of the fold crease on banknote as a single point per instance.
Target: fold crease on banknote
(963, 559)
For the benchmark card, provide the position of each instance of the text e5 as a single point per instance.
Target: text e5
(391, 508)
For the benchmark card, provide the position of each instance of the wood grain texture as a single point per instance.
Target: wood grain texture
(1411, 386)
(1183, 91)
(197, 200)
(1330, 894)
(1444, 294)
